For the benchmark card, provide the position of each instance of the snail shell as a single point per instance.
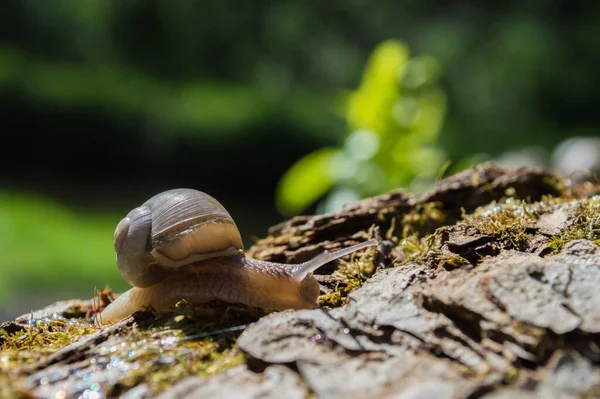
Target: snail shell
(170, 230)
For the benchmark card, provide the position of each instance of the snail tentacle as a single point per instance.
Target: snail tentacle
(304, 269)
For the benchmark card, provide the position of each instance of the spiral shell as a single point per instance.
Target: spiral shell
(173, 229)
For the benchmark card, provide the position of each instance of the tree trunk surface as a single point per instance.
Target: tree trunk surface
(487, 286)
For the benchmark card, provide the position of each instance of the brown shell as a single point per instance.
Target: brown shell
(189, 225)
(173, 229)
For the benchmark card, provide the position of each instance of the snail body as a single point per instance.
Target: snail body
(183, 244)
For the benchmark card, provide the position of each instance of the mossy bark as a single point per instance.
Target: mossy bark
(486, 286)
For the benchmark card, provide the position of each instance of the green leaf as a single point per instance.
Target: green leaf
(305, 182)
(370, 107)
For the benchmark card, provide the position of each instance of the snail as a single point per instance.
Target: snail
(183, 244)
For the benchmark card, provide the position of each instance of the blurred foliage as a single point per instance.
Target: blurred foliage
(45, 244)
(394, 119)
(215, 70)
(181, 108)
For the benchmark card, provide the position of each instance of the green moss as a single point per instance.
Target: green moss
(424, 217)
(523, 328)
(415, 249)
(556, 243)
(45, 336)
(510, 375)
(585, 224)
(33, 344)
(351, 276)
(507, 221)
(159, 349)
(208, 358)
(184, 340)
(510, 221)
(332, 300)
(452, 261)
(426, 251)
(161, 358)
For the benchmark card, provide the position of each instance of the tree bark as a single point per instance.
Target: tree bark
(485, 310)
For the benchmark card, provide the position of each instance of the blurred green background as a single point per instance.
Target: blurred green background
(276, 108)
